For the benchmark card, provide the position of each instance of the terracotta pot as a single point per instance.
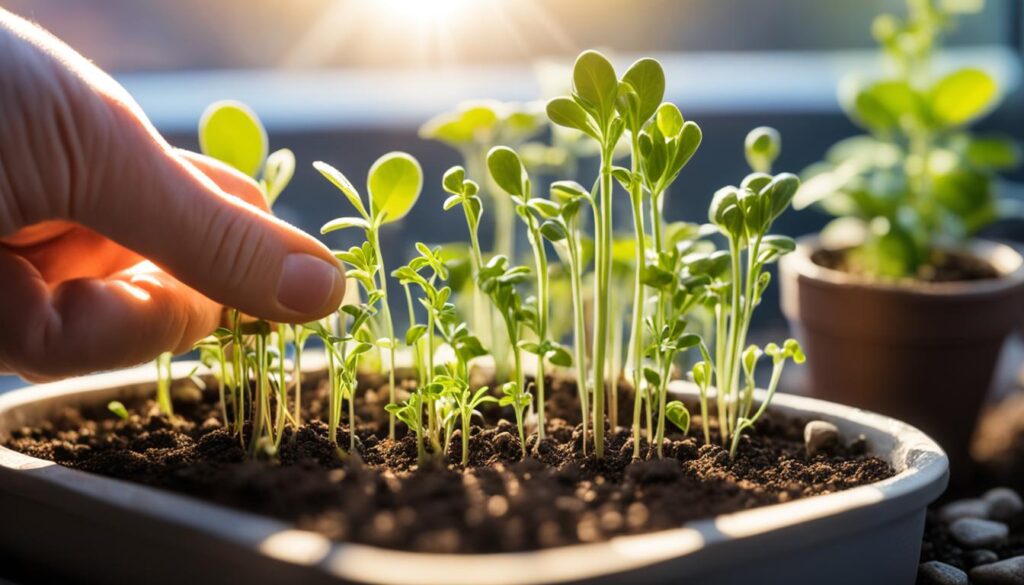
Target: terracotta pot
(81, 525)
(921, 352)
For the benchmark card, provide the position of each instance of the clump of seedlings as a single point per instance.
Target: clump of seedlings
(677, 278)
(919, 182)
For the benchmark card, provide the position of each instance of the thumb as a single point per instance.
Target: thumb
(217, 242)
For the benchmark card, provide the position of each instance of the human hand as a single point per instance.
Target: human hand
(115, 247)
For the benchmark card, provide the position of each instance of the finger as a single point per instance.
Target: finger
(112, 172)
(86, 325)
(230, 180)
(162, 207)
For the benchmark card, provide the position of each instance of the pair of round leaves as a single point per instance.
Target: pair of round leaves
(394, 183)
(598, 94)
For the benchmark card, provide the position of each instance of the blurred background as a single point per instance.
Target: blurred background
(346, 80)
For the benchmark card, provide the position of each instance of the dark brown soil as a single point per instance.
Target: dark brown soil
(498, 503)
(944, 266)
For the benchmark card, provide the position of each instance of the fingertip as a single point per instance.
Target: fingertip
(311, 286)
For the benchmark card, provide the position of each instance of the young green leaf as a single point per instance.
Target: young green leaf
(962, 96)
(394, 183)
(569, 114)
(669, 119)
(232, 133)
(343, 184)
(277, 173)
(117, 408)
(647, 79)
(595, 84)
(342, 223)
(507, 170)
(678, 415)
(762, 147)
(453, 179)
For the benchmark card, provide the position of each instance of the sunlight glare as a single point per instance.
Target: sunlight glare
(423, 33)
(423, 11)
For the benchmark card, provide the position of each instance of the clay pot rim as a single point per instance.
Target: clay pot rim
(1005, 258)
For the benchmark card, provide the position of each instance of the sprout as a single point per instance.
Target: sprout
(678, 279)
(118, 409)
(164, 378)
(394, 184)
(518, 399)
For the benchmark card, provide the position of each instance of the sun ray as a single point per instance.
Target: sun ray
(422, 33)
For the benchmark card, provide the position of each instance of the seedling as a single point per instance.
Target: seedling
(564, 232)
(675, 271)
(604, 107)
(164, 379)
(919, 181)
(744, 215)
(394, 184)
(436, 303)
(232, 133)
(118, 409)
(519, 400)
(466, 405)
(510, 175)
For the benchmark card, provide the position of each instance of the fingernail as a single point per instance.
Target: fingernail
(307, 283)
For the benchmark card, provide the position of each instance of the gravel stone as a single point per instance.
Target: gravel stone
(1004, 503)
(938, 573)
(978, 533)
(971, 508)
(1006, 572)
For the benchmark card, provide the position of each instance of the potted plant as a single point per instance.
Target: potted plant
(902, 309)
(344, 468)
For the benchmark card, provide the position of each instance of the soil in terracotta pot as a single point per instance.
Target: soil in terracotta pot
(944, 266)
(497, 503)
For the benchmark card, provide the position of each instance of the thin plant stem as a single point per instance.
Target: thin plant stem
(389, 323)
(580, 326)
(601, 290)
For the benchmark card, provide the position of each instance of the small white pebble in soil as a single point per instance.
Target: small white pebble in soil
(1005, 503)
(978, 533)
(820, 435)
(967, 508)
(936, 573)
(1005, 572)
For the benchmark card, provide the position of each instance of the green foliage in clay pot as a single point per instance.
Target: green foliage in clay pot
(919, 180)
